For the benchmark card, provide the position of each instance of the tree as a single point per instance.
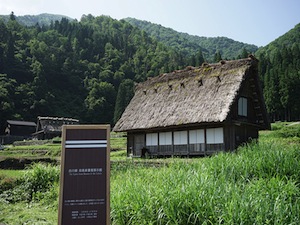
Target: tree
(75, 68)
(12, 16)
(100, 102)
(125, 93)
(3, 43)
(244, 54)
(217, 57)
(7, 108)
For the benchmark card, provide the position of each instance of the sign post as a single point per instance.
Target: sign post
(85, 167)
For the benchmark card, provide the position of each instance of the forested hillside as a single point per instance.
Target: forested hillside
(85, 70)
(212, 48)
(43, 19)
(280, 70)
(279, 62)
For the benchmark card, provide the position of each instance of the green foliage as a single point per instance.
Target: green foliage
(291, 130)
(28, 213)
(279, 67)
(43, 19)
(125, 93)
(118, 143)
(100, 102)
(189, 45)
(217, 57)
(75, 69)
(7, 107)
(278, 125)
(57, 69)
(6, 182)
(37, 184)
(258, 184)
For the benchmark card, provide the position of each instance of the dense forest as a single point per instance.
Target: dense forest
(280, 70)
(87, 69)
(210, 47)
(84, 70)
(43, 19)
(279, 62)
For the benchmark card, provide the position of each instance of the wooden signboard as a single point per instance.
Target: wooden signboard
(85, 168)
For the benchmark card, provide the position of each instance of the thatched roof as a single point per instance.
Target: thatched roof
(57, 119)
(54, 124)
(191, 96)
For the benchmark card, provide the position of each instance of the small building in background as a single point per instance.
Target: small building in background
(196, 111)
(16, 130)
(50, 127)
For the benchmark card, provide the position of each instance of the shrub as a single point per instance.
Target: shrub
(37, 183)
(56, 140)
(289, 131)
(278, 125)
(40, 177)
(6, 183)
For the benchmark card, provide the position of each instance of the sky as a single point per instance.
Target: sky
(256, 22)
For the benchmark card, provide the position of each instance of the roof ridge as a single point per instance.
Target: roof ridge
(203, 71)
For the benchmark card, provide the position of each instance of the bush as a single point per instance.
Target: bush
(39, 182)
(40, 177)
(6, 183)
(289, 131)
(56, 140)
(278, 125)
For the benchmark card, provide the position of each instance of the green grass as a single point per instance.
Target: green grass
(258, 184)
(31, 151)
(28, 213)
(118, 155)
(11, 173)
(117, 141)
(52, 149)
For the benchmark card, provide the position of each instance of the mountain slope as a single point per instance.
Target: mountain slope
(288, 40)
(191, 44)
(84, 70)
(41, 19)
(280, 70)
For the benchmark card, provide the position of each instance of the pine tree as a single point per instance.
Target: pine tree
(12, 16)
(125, 93)
(217, 57)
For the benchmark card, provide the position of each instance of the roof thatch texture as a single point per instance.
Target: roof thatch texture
(190, 96)
(54, 124)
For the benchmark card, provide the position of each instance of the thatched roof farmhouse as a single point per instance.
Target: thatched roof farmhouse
(50, 127)
(196, 111)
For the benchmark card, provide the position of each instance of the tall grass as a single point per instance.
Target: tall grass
(256, 185)
(38, 183)
(33, 199)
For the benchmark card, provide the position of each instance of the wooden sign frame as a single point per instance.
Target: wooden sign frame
(84, 196)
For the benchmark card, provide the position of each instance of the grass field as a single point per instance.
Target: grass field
(258, 184)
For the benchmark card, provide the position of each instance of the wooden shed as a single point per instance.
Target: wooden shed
(50, 127)
(20, 128)
(16, 130)
(196, 111)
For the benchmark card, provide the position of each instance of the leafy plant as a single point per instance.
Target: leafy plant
(35, 184)
(39, 178)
